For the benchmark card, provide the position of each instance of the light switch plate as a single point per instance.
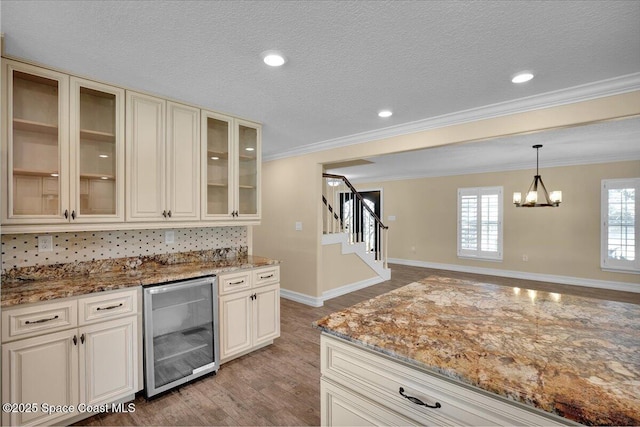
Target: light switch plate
(45, 243)
(169, 237)
(298, 226)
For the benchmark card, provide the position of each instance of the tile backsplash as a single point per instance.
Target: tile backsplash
(21, 250)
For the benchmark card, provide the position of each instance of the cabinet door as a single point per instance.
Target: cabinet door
(40, 370)
(183, 162)
(145, 158)
(217, 166)
(35, 146)
(235, 324)
(108, 360)
(248, 160)
(266, 314)
(97, 151)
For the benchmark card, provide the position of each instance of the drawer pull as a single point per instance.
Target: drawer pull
(29, 322)
(237, 283)
(418, 401)
(111, 307)
(267, 277)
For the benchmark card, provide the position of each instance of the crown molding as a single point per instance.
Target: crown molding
(585, 92)
(575, 161)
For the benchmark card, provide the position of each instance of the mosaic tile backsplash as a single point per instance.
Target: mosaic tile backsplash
(21, 250)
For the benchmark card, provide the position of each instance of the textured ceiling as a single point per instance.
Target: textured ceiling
(347, 59)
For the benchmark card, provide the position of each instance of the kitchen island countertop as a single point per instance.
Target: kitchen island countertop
(22, 291)
(572, 356)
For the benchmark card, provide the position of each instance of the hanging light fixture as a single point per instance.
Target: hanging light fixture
(532, 199)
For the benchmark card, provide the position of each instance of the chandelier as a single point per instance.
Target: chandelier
(533, 197)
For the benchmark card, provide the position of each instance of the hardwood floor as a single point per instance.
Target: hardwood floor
(280, 384)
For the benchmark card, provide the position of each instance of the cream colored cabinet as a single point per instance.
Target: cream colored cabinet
(63, 148)
(363, 387)
(249, 310)
(93, 361)
(163, 159)
(231, 153)
(39, 370)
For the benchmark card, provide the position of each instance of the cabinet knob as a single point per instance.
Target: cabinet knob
(164, 214)
(169, 213)
(66, 214)
(82, 338)
(73, 214)
(75, 340)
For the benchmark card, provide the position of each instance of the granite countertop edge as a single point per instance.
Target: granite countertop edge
(18, 292)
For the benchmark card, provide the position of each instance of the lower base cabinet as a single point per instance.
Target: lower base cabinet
(363, 387)
(56, 376)
(249, 310)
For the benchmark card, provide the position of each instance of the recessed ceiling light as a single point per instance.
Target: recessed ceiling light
(249, 148)
(103, 156)
(385, 113)
(215, 158)
(54, 174)
(104, 177)
(523, 77)
(273, 58)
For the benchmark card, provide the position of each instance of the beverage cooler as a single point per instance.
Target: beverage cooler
(180, 333)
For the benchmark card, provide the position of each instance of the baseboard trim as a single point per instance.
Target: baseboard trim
(319, 301)
(301, 298)
(342, 290)
(565, 280)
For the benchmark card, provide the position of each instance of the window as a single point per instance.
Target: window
(620, 214)
(480, 223)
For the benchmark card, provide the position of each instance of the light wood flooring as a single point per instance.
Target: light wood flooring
(280, 384)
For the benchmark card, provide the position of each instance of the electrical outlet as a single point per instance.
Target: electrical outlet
(525, 258)
(45, 243)
(169, 237)
(391, 218)
(298, 226)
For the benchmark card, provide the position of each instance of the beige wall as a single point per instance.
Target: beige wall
(341, 270)
(561, 241)
(292, 186)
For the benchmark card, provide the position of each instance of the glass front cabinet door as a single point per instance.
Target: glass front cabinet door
(231, 168)
(62, 148)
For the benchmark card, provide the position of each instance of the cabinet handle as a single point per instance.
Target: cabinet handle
(267, 277)
(73, 214)
(418, 401)
(29, 322)
(75, 340)
(66, 214)
(111, 307)
(164, 214)
(237, 283)
(82, 338)
(169, 213)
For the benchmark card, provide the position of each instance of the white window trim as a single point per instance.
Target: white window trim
(478, 254)
(617, 265)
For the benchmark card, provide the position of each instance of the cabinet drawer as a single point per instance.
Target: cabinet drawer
(234, 282)
(38, 319)
(266, 276)
(107, 306)
(380, 379)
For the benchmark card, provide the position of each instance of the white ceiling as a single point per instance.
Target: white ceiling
(346, 59)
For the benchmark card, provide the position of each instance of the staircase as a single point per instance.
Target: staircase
(356, 227)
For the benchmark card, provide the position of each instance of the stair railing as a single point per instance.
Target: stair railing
(355, 218)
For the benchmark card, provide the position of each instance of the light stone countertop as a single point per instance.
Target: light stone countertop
(41, 286)
(573, 356)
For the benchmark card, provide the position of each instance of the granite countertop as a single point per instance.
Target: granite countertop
(18, 290)
(573, 356)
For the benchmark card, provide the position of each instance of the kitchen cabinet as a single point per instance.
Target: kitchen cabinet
(94, 360)
(249, 308)
(163, 159)
(363, 386)
(63, 148)
(231, 153)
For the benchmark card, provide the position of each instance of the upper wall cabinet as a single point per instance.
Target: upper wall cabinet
(231, 168)
(162, 160)
(62, 148)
